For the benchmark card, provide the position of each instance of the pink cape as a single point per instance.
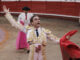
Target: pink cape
(21, 41)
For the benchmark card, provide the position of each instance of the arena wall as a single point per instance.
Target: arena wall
(49, 7)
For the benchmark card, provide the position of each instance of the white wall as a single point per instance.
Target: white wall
(9, 0)
(77, 0)
(25, 0)
(66, 0)
(55, 0)
(38, 0)
(48, 0)
(16, 0)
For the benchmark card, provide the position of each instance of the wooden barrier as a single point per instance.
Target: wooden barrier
(63, 8)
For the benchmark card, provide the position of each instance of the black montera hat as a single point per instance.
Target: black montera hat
(26, 8)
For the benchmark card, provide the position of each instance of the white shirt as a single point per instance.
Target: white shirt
(22, 17)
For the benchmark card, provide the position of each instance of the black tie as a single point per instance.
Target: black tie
(37, 32)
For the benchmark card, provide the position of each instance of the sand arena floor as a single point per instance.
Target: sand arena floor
(58, 27)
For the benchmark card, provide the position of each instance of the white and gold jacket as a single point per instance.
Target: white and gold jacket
(44, 34)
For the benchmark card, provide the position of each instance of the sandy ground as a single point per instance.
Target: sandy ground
(58, 27)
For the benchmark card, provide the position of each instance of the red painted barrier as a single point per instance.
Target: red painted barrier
(63, 8)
